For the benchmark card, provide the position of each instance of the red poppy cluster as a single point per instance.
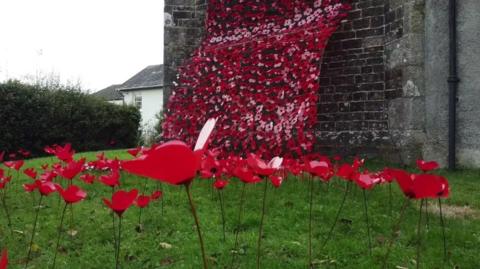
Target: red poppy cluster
(256, 72)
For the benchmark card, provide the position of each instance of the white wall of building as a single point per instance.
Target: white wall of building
(152, 104)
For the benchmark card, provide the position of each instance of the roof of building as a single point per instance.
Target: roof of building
(110, 93)
(149, 78)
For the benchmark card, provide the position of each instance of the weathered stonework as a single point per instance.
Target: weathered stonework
(383, 84)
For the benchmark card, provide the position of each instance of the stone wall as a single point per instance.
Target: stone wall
(404, 51)
(353, 117)
(384, 77)
(436, 74)
(184, 29)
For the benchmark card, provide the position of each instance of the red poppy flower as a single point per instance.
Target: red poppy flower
(346, 171)
(24, 153)
(87, 178)
(30, 172)
(142, 201)
(1, 173)
(156, 195)
(366, 180)
(48, 175)
(4, 259)
(421, 186)
(121, 201)
(276, 180)
(64, 153)
(14, 164)
(246, 175)
(112, 179)
(430, 186)
(72, 169)
(427, 166)
(45, 187)
(49, 150)
(322, 169)
(4, 180)
(172, 162)
(220, 184)
(30, 187)
(134, 152)
(260, 167)
(72, 194)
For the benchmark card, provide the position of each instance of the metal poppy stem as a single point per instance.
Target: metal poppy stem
(260, 231)
(390, 197)
(220, 200)
(60, 227)
(395, 228)
(114, 229)
(34, 229)
(310, 227)
(347, 189)
(194, 214)
(426, 213)
(117, 264)
(419, 238)
(443, 230)
(367, 222)
(140, 217)
(5, 208)
(239, 222)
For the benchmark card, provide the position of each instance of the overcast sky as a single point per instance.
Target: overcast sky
(96, 42)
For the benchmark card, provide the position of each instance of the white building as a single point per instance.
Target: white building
(144, 90)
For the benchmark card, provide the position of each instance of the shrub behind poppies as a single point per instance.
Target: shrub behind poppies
(35, 116)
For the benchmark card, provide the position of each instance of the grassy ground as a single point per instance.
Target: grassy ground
(286, 227)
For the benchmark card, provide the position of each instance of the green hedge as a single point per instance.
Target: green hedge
(33, 116)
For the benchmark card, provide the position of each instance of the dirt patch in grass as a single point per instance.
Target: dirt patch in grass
(455, 211)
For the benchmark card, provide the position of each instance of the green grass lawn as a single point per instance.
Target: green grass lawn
(285, 233)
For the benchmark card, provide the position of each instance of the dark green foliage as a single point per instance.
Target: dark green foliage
(32, 117)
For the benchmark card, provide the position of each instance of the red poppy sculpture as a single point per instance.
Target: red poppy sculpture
(120, 202)
(175, 163)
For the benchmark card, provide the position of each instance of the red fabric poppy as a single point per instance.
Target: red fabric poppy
(246, 175)
(156, 195)
(72, 194)
(64, 153)
(121, 201)
(45, 187)
(172, 162)
(4, 259)
(30, 172)
(112, 179)
(346, 171)
(4, 180)
(276, 180)
(142, 201)
(134, 152)
(220, 184)
(30, 187)
(87, 178)
(14, 164)
(366, 180)
(260, 167)
(427, 166)
(72, 169)
(421, 186)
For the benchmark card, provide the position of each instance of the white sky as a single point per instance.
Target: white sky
(96, 42)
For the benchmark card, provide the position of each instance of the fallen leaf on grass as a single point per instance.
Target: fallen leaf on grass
(165, 245)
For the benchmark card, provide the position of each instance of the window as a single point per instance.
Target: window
(138, 101)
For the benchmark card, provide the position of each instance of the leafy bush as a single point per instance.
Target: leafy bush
(34, 116)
